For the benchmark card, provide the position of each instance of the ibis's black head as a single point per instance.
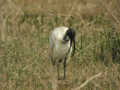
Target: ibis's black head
(71, 34)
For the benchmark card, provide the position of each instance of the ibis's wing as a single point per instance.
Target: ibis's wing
(51, 48)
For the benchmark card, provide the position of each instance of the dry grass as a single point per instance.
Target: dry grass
(24, 32)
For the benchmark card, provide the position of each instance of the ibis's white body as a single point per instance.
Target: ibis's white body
(58, 48)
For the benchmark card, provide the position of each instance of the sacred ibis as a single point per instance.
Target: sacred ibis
(61, 43)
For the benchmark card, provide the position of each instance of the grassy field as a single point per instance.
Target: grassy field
(24, 53)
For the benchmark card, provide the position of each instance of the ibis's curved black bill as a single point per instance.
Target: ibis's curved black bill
(71, 34)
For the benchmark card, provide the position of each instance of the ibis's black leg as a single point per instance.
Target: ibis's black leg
(58, 71)
(65, 68)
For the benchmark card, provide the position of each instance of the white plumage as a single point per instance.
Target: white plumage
(60, 42)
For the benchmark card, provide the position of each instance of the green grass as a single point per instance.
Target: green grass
(24, 59)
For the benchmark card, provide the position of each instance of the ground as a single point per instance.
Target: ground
(25, 26)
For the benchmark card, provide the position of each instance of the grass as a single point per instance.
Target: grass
(24, 59)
